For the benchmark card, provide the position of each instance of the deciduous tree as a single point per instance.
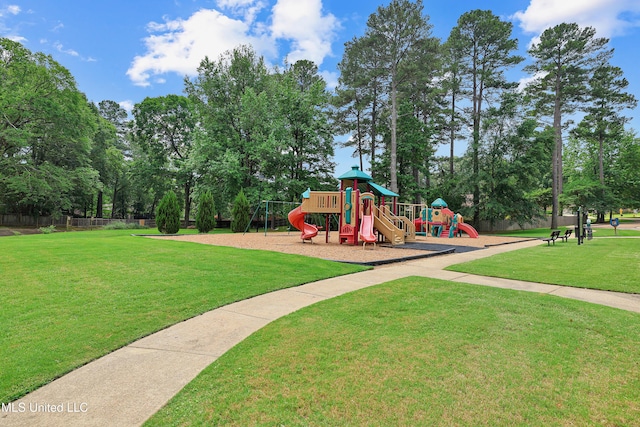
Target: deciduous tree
(230, 98)
(164, 128)
(46, 129)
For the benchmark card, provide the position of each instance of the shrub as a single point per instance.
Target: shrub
(240, 213)
(206, 216)
(48, 230)
(168, 214)
(120, 225)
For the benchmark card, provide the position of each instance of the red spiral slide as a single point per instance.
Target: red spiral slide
(296, 218)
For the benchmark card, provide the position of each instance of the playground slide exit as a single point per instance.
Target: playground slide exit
(466, 228)
(366, 229)
(296, 218)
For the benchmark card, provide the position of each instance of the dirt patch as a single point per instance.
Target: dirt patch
(290, 243)
(5, 231)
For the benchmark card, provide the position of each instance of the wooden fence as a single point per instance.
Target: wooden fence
(65, 221)
(506, 225)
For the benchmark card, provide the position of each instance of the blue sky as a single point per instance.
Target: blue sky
(125, 50)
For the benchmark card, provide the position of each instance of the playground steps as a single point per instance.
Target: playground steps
(387, 227)
(445, 232)
(401, 222)
(346, 234)
(409, 228)
(391, 233)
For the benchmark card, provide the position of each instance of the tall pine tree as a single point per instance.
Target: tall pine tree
(563, 62)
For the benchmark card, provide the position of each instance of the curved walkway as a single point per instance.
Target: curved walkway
(128, 386)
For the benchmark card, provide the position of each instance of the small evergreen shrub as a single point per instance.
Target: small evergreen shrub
(168, 214)
(240, 213)
(206, 216)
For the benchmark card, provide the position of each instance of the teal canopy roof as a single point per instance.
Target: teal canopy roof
(438, 203)
(381, 191)
(365, 182)
(356, 173)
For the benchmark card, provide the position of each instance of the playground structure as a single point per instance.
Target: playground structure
(359, 216)
(440, 221)
(361, 219)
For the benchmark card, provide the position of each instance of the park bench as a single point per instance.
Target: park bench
(566, 236)
(554, 235)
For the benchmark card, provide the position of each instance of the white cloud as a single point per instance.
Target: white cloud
(127, 104)
(526, 81)
(235, 3)
(4, 31)
(71, 52)
(18, 39)
(330, 78)
(60, 48)
(248, 9)
(609, 17)
(13, 9)
(302, 23)
(178, 46)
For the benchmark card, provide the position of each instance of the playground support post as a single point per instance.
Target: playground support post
(252, 217)
(266, 217)
(578, 230)
(270, 209)
(326, 228)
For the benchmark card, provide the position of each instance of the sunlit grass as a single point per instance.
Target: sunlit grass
(607, 264)
(426, 352)
(68, 298)
(539, 233)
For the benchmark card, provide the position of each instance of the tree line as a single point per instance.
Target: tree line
(559, 142)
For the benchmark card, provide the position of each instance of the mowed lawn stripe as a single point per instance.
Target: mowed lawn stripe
(68, 298)
(420, 351)
(609, 264)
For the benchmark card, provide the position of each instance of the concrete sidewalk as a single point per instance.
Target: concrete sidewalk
(128, 386)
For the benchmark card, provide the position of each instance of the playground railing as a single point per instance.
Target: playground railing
(401, 222)
(322, 202)
(408, 227)
(408, 210)
(387, 226)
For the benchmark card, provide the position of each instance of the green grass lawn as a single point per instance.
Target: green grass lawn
(539, 233)
(426, 352)
(607, 264)
(411, 352)
(68, 298)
